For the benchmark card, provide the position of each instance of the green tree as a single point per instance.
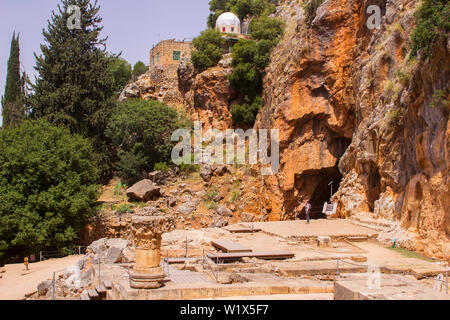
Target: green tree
(242, 8)
(47, 187)
(433, 24)
(14, 100)
(250, 60)
(121, 72)
(140, 131)
(246, 76)
(267, 28)
(139, 69)
(75, 87)
(246, 113)
(208, 49)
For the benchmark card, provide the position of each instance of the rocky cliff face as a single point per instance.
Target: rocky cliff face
(204, 97)
(208, 95)
(353, 109)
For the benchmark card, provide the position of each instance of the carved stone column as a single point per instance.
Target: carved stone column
(147, 232)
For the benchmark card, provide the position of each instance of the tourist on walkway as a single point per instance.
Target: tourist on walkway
(308, 210)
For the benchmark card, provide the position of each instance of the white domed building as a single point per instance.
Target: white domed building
(228, 23)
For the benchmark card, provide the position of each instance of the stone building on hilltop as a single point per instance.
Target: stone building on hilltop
(169, 53)
(230, 25)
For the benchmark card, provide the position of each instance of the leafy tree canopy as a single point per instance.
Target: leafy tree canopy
(47, 187)
(433, 24)
(139, 69)
(121, 72)
(75, 86)
(140, 131)
(208, 49)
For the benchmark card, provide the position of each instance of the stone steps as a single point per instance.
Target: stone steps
(379, 225)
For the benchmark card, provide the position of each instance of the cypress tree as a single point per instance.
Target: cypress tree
(74, 86)
(13, 110)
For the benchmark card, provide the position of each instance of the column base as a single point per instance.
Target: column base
(147, 280)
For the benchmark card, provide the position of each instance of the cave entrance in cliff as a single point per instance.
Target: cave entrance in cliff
(374, 184)
(316, 183)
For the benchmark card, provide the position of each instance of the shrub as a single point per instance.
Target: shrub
(207, 49)
(211, 205)
(124, 208)
(394, 117)
(141, 130)
(47, 187)
(161, 166)
(246, 113)
(432, 24)
(310, 8)
(139, 69)
(242, 8)
(266, 28)
(235, 196)
(121, 72)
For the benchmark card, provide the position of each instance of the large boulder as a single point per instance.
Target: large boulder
(206, 172)
(116, 247)
(98, 249)
(128, 255)
(44, 287)
(130, 91)
(224, 212)
(248, 217)
(220, 170)
(158, 177)
(144, 190)
(187, 208)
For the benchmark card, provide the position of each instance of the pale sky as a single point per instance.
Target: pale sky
(132, 27)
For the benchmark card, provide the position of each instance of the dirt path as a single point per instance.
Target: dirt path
(16, 282)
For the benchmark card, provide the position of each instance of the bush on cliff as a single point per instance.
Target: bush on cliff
(141, 132)
(47, 187)
(246, 113)
(432, 24)
(242, 8)
(207, 49)
(250, 60)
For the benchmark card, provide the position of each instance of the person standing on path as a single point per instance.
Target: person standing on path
(308, 210)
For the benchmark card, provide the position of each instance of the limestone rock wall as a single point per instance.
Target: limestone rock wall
(352, 108)
(204, 97)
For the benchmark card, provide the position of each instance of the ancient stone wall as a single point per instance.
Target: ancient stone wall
(169, 52)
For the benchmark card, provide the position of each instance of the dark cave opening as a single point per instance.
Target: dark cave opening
(317, 183)
(374, 186)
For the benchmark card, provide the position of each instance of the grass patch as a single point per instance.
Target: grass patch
(410, 254)
(211, 205)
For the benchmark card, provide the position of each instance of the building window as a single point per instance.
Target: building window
(157, 58)
(232, 29)
(153, 60)
(177, 55)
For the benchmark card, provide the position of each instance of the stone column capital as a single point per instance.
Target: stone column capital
(148, 230)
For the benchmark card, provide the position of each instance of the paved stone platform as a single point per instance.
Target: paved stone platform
(392, 287)
(186, 276)
(302, 230)
(122, 290)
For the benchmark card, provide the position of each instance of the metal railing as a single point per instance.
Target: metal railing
(206, 260)
(45, 255)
